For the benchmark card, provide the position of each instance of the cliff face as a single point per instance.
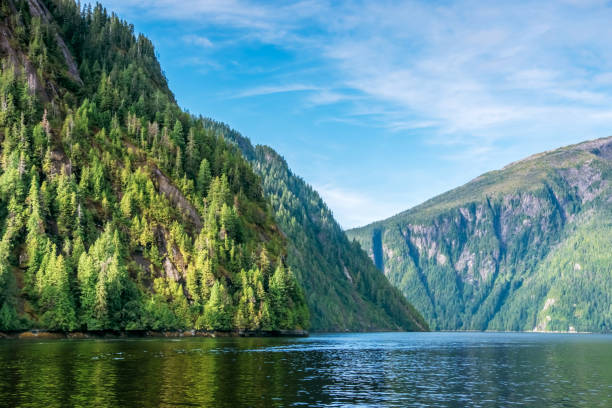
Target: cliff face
(44, 88)
(502, 252)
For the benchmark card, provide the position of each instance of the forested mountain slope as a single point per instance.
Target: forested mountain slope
(344, 290)
(120, 211)
(528, 247)
(117, 209)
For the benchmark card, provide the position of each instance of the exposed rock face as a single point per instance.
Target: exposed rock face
(171, 271)
(46, 90)
(586, 180)
(464, 257)
(38, 9)
(20, 63)
(177, 198)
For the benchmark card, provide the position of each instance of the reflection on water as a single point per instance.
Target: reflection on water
(394, 369)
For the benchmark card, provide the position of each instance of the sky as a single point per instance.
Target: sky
(382, 105)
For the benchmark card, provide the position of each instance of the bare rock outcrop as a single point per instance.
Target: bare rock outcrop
(38, 9)
(175, 196)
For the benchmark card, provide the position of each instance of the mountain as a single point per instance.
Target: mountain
(344, 290)
(527, 247)
(120, 211)
(117, 209)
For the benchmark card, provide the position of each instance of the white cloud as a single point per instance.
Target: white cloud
(269, 90)
(265, 22)
(477, 78)
(327, 97)
(353, 209)
(469, 78)
(464, 66)
(197, 40)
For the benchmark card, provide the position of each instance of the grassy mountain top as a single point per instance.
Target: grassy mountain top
(524, 175)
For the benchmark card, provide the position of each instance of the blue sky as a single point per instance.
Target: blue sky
(381, 105)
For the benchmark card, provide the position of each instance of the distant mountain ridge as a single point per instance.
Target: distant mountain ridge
(344, 290)
(527, 247)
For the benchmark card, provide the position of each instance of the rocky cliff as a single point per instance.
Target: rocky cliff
(523, 248)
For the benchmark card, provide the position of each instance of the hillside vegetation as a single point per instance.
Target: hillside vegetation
(117, 209)
(527, 247)
(344, 290)
(120, 211)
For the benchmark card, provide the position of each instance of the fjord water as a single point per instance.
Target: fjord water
(388, 369)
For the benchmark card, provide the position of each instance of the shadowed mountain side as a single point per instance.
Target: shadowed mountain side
(344, 290)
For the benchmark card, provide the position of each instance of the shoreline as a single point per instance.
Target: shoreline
(520, 331)
(35, 334)
(117, 334)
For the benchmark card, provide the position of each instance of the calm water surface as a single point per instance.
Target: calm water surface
(382, 369)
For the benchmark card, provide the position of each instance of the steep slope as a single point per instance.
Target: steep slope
(527, 247)
(343, 288)
(117, 209)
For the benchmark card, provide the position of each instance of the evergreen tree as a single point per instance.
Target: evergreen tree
(56, 302)
(204, 177)
(218, 309)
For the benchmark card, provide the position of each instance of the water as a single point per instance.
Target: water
(379, 369)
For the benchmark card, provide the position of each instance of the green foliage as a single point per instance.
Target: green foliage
(571, 287)
(117, 209)
(55, 300)
(203, 180)
(218, 310)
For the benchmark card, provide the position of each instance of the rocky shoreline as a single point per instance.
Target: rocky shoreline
(112, 334)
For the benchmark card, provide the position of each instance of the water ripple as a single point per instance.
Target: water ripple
(388, 369)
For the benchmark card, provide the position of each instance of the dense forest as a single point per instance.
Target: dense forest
(117, 209)
(344, 290)
(528, 247)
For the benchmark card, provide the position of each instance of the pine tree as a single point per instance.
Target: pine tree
(178, 164)
(218, 309)
(191, 153)
(177, 134)
(87, 277)
(204, 177)
(35, 239)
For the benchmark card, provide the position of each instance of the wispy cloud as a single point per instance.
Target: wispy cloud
(353, 208)
(327, 97)
(274, 89)
(265, 22)
(461, 67)
(197, 40)
(470, 77)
